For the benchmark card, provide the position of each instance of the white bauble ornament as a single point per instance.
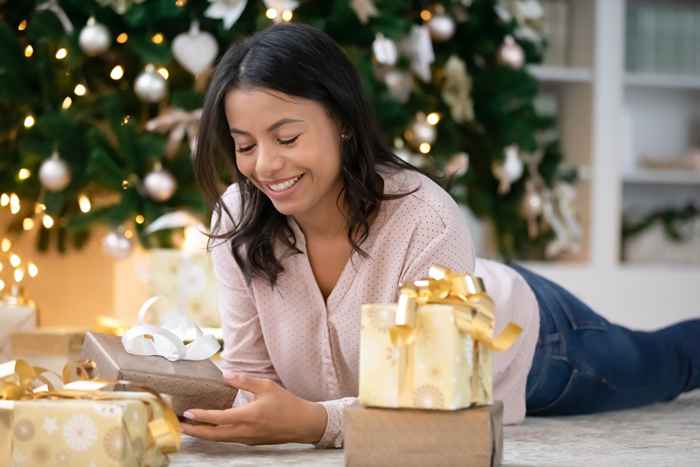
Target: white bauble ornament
(385, 51)
(510, 170)
(150, 86)
(423, 132)
(511, 53)
(160, 185)
(116, 245)
(458, 165)
(54, 173)
(399, 83)
(442, 27)
(195, 50)
(94, 39)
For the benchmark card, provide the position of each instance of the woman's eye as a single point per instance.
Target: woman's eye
(288, 141)
(245, 149)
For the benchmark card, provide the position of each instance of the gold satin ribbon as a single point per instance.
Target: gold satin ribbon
(19, 381)
(473, 313)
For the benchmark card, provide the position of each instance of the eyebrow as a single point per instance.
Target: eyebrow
(271, 128)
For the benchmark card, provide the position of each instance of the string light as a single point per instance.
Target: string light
(61, 53)
(433, 118)
(424, 148)
(5, 245)
(19, 275)
(14, 203)
(157, 38)
(28, 223)
(128, 233)
(125, 121)
(287, 15)
(125, 184)
(15, 260)
(117, 73)
(67, 102)
(139, 219)
(32, 269)
(39, 208)
(2, 285)
(22, 25)
(28, 51)
(162, 71)
(29, 121)
(84, 203)
(271, 13)
(80, 90)
(122, 38)
(4, 199)
(426, 15)
(24, 174)
(180, 3)
(47, 221)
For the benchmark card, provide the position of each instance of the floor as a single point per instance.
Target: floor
(665, 434)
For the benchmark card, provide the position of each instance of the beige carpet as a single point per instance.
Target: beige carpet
(660, 435)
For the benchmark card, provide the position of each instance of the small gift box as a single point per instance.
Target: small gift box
(64, 425)
(189, 383)
(377, 437)
(47, 347)
(432, 350)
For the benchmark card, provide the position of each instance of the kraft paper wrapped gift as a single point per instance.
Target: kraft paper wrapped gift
(48, 347)
(80, 433)
(377, 437)
(189, 384)
(432, 350)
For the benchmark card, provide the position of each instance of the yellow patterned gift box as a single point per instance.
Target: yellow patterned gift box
(434, 348)
(79, 426)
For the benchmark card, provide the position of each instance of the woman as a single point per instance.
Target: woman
(323, 217)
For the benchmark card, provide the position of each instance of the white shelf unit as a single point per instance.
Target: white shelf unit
(599, 102)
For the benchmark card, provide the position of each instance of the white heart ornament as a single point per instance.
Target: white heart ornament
(195, 50)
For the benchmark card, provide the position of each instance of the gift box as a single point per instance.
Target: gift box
(433, 349)
(48, 347)
(80, 433)
(189, 384)
(417, 438)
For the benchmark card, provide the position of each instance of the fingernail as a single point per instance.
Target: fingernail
(188, 414)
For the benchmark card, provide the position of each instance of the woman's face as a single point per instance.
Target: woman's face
(288, 147)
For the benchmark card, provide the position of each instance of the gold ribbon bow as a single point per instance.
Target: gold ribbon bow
(475, 316)
(21, 381)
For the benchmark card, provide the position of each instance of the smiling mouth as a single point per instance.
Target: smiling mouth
(284, 185)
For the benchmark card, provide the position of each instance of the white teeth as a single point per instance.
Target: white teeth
(284, 185)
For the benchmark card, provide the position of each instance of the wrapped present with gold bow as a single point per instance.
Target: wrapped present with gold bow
(433, 349)
(45, 421)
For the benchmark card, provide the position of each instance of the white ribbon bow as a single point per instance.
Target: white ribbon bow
(167, 340)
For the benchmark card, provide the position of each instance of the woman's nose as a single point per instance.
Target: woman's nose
(268, 162)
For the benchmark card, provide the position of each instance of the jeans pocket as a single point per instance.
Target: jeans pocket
(584, 393)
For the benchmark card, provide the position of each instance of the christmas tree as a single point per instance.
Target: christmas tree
(100, 103)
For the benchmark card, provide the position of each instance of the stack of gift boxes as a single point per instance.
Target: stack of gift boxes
(426, 387)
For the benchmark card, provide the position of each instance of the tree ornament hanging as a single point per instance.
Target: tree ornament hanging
(511, 53)
(227, 10)
(364, 9)
(94, 38)
(195, 50)
(385, 51)
(117, 245)
(508, 171)
(399, 83)
(54, 173)
(160, 185)
(441, 25)
(457, 165)
(418, 47)
(420, 131)
(120, 6)
(150, 86)
(457, 90)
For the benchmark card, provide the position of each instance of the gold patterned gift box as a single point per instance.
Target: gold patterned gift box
(434, 348)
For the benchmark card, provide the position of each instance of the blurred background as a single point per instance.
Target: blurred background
(569, 130)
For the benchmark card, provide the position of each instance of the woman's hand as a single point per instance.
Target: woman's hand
(275, 416)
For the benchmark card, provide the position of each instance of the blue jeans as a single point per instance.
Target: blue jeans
(584, 364)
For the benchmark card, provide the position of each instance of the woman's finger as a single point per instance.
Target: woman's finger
(211, 433)
(219, 417)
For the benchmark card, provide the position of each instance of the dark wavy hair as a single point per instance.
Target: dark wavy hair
(297, 60)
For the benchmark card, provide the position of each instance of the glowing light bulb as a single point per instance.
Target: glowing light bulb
(28, 223)
(67, 102)
(424, 148)
(24, 174)
(15, 260)
(19, 275)
(122, 38)
(157, 38)
(5, 245)
(80, 90)
(433, 118)
(61, 53)
(32, 269)
(29, 121)
(47, 221)
(28, 51)
(271, 13)
(162, 71)
(117, 73)
(84, 204)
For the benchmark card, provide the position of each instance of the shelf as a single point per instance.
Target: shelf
(662, 177)
(660, 80)
(561, 74)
